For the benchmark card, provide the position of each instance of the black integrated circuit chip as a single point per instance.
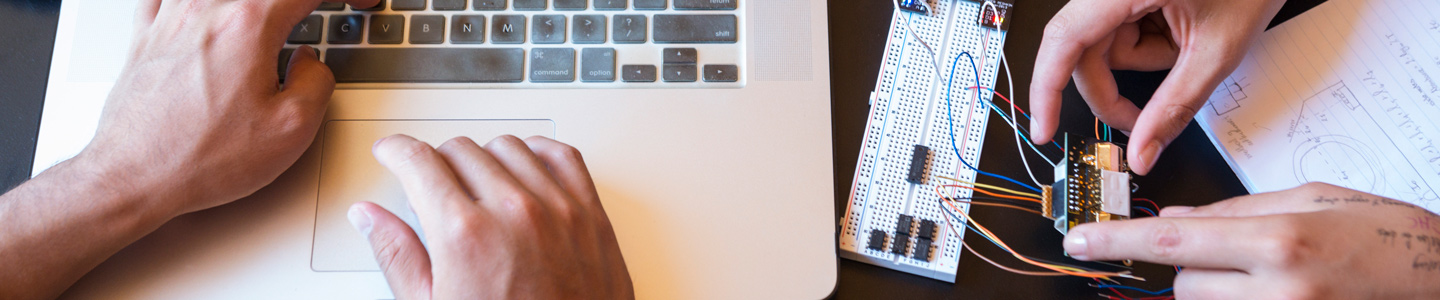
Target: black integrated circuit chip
(902, 241)
(915, 6)
(918, 160)
(927, 229)
(902, 224)
(877, 240)
(922, 249)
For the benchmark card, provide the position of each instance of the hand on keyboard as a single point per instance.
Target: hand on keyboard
(196, 118)
(511, 220)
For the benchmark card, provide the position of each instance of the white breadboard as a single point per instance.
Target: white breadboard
(908, 108)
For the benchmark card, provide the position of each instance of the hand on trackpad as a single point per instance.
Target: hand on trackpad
(350, 174)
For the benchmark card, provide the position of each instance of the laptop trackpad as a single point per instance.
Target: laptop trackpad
(350, 174)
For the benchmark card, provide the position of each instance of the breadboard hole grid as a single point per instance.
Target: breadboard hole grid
(910, 108)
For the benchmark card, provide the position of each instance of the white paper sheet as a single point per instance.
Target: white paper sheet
(1344, 94)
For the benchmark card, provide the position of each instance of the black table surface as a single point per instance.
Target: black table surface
(1190, 172)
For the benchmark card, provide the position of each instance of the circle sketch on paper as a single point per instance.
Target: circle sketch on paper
(1340, 160)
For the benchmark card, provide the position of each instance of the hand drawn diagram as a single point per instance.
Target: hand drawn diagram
(1332, 145)
(1228, 95)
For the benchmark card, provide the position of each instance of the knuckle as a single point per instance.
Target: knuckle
(523, 207)
(1165, 240)
(505, 141)
(387, 250)
(1058, 29)
(1284, 245)
(407, 151)
(1180, 113)
(565, 154)
(454, 143)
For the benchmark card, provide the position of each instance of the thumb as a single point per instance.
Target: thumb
(308, 82)
(1196, 74)
(398, 250)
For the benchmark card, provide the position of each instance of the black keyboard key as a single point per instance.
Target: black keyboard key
(351, 65)
(722, 73)
(597, 65)
(331, 6)
(346, 29)
(570, 4)
(530, 4)
(706, 4)
(650, 4)
(548, 29)
(637, 73)
(630, 29)
(378, 7)
(468, 29)
(407, 5)
(679, 73)
(427, 29)
(489, 4)
(387, 29)
(680, 56)
(611, 4)
(552, 65)
(508, 29)
(308, 31)
(695, 29)
(589, 29)
(448, 5)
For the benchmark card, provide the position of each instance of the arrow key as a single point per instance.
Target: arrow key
(637, 73)
(722, 73)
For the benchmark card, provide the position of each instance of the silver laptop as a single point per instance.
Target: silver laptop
(706, 124)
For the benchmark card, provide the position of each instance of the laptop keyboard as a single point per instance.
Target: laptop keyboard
(528, 43)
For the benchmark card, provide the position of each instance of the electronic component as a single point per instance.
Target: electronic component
(922, 249)
(989, 17)
(918, 160)
(909, 107)
(927, 229)
(902, 241)
(1092, 185)
(903, 223)
(877, 240)
(915, 6)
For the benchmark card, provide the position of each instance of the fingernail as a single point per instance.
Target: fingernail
(376, 145)
(1075, 246)
(1149, 154)
(1033, 125)
(360, 220)
(1176, 210)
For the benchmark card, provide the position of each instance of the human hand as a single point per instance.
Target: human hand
(197, 119)
(1317, 241)
(511, 220)
(1202, 40)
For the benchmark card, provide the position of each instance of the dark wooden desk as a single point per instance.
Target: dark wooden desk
(1191, 172)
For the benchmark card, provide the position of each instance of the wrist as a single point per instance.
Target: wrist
(123, 193)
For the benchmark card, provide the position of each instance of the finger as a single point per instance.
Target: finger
(527, 169)
(481, 174)
(429, 183)
(568, 168)
(402, 257)
(1272, 203)
(1198, 71)
(1097, 85)
(308, 83)
(1204, 284)
(1198, 242)
(1079, 25)
(1140, 49)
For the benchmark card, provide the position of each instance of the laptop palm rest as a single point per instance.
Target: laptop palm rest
(350, 174)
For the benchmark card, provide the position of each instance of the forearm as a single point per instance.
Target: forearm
(63, 223)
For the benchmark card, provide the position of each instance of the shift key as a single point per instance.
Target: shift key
(708, 28)
(706, 4)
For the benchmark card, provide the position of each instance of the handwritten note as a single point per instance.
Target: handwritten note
(1345, 94)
